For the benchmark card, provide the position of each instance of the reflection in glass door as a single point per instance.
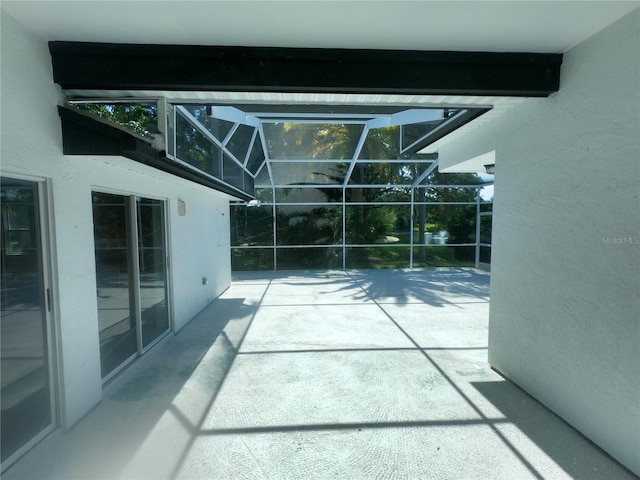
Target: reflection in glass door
(113, 277)
(152, 269)
(26, 396)
(131, 275)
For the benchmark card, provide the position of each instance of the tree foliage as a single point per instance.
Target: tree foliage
(140, 118)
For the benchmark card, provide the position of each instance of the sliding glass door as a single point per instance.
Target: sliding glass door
(114, 280)
(26, 396)
(131, 276)
(152, 269)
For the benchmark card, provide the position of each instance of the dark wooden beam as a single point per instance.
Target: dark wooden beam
(103, 66)
(83, 135)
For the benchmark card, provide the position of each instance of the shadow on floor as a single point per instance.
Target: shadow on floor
(568, 449)
(433, 287)
(436, 288)
(135, 403)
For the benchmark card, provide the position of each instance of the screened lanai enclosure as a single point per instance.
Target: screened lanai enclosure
(328, 186)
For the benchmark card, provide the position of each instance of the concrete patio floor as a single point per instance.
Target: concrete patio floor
(355, 375)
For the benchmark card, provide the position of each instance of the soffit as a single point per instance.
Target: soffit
(495, 26)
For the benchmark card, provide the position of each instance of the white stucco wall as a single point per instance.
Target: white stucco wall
(32, 145)
(565, 286)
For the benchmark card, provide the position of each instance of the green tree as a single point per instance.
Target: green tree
(140, 118)
(457, 220)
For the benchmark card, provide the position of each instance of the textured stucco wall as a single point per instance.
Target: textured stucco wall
(565, 286)
(32, 145)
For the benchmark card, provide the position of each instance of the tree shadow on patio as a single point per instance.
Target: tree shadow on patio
(434, 287)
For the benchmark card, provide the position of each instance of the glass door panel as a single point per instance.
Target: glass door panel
(25, 374)
(131, 269)
(113, 276)
(153, 269)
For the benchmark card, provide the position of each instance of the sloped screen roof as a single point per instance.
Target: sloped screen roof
(249, 146)
(260, 146)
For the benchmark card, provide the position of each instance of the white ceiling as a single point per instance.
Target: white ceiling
(527, 26)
